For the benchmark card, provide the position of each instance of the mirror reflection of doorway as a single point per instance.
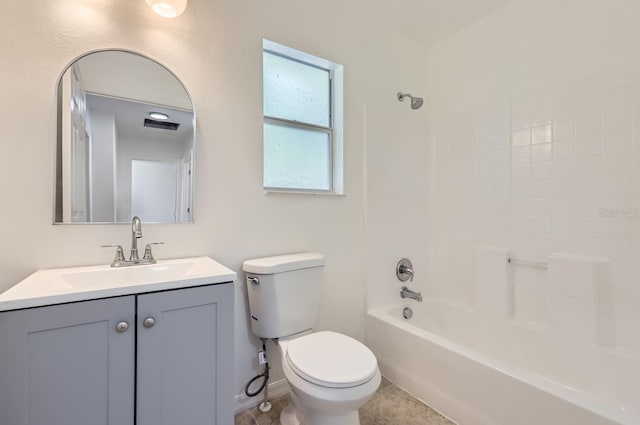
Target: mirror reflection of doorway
(186, 194)
(154, 190)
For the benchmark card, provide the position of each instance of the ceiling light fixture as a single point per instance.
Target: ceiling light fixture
(158, 116)
(168, 8)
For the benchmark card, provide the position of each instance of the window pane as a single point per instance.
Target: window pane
(295, 91)
(296, 158)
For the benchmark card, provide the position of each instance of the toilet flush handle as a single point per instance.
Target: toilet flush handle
(253, 280)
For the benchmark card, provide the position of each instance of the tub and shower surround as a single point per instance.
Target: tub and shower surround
(548, 178)
(534, 122)
(484, 365)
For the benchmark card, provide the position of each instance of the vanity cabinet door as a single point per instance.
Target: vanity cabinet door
(185, 357)
(69, 364)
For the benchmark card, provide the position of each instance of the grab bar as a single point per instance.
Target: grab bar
(527, 263)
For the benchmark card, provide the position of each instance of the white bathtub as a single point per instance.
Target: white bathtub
(511, 375)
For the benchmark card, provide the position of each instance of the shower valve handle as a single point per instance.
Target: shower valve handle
(404, 270)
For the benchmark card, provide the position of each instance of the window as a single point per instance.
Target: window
(302, 108)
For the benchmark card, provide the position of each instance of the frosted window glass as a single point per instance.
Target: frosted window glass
(296, 159)
(295, 91)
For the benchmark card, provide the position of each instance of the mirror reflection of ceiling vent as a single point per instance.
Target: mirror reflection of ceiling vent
(164, 125)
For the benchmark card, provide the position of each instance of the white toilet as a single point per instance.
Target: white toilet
(330, 375)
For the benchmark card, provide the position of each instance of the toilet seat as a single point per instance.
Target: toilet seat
(332, 360)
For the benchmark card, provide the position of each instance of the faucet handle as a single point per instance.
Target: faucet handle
(404, 270)
(148, 255)
(119, 253)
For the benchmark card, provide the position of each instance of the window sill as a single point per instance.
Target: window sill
(302, 192)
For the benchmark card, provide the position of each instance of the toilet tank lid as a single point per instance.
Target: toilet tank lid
(283, 263)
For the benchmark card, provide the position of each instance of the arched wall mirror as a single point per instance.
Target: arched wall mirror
(125, 142)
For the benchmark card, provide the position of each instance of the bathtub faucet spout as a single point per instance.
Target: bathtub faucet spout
(408, 293)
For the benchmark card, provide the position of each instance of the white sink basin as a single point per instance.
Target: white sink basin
(127, 276)
(55, 286)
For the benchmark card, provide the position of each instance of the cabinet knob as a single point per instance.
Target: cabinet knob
(149, 322)
(122, 326)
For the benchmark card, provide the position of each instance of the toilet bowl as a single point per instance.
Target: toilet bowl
(330, 376)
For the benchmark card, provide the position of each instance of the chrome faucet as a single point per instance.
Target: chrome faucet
(136, 233)
(134, 259)
(408, 293)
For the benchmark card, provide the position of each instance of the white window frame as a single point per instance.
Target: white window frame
(336, 120)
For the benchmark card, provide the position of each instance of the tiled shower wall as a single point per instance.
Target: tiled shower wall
(554, 171)
(535, 117)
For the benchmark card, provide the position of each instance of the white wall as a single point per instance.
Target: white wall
(535, 134)
(215, 49)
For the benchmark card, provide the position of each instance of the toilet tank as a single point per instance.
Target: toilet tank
(284, 293)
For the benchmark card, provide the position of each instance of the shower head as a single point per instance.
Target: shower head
(416, 102)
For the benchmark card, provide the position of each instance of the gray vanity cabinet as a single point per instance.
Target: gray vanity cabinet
(149, 359)
(67, 364)
(185, 350)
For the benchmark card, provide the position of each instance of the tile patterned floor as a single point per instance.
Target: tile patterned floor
(389, 406)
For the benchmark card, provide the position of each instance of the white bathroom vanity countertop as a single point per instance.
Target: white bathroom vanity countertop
(56, 286)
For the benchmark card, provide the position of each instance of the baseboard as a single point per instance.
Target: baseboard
(276, 389)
